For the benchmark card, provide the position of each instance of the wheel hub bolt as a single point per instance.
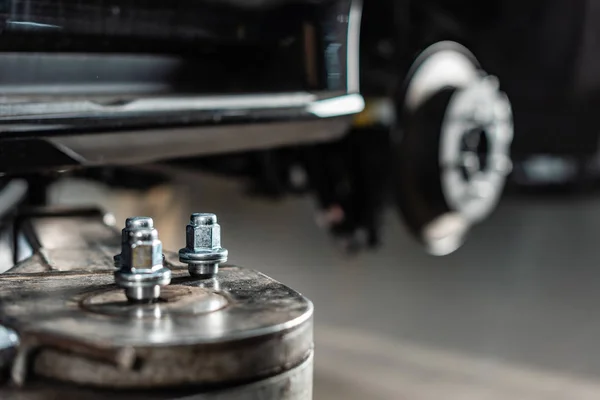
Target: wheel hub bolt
(203, 252)
(141, 272)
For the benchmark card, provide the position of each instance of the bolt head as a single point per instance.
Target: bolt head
(203, 237)
(144, 253)
(203, 252)
(198, 219)
(134, 223)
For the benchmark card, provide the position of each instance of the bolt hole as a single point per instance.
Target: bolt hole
(474, 142)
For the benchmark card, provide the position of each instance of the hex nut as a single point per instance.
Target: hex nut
(203, 252)
(141, 272)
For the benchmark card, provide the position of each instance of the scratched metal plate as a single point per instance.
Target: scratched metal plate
(295, 384)
(75, 327)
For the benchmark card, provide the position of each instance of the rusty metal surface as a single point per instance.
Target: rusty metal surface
(294, 384)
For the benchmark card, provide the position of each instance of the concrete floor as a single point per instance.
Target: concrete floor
(513, 314)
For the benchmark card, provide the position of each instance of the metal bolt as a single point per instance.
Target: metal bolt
(131, 224)
(203, 252)
(141, 272)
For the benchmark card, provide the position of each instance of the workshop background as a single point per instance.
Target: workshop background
(513, 314)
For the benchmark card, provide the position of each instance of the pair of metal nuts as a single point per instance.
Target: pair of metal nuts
(141, 271)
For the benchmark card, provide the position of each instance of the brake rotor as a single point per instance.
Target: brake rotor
(451, 146)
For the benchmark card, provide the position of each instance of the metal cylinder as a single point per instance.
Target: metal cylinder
(240, 335)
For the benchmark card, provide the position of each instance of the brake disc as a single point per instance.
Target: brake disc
(451, 146)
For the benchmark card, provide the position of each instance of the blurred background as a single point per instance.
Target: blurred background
(512, 313)
(478, 141)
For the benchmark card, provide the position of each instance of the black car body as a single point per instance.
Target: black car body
(94, 83)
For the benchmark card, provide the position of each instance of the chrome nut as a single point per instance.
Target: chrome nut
(145, 251)
(141, 272)
(203, 252)
(131, 225)
(203, 232)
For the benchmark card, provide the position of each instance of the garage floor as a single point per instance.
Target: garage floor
(515, 314)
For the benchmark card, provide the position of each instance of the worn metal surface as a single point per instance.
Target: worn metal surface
(81, 242)
(141, 272)
(75, 259)
(263, 329)
(294, 384)
(239, 335)
(175, 300)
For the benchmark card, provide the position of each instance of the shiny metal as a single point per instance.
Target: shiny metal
(240, 335)
(443, 64)
(203, 252)
(353, 52)
(141, 272)
(241, 103)
(479, 106)
(177, 301)
(142, 293)
(158, 104)
(478, 103)
(131, 224)
(445, 234)
(460, 122)
(78, 329)
(337, 106)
